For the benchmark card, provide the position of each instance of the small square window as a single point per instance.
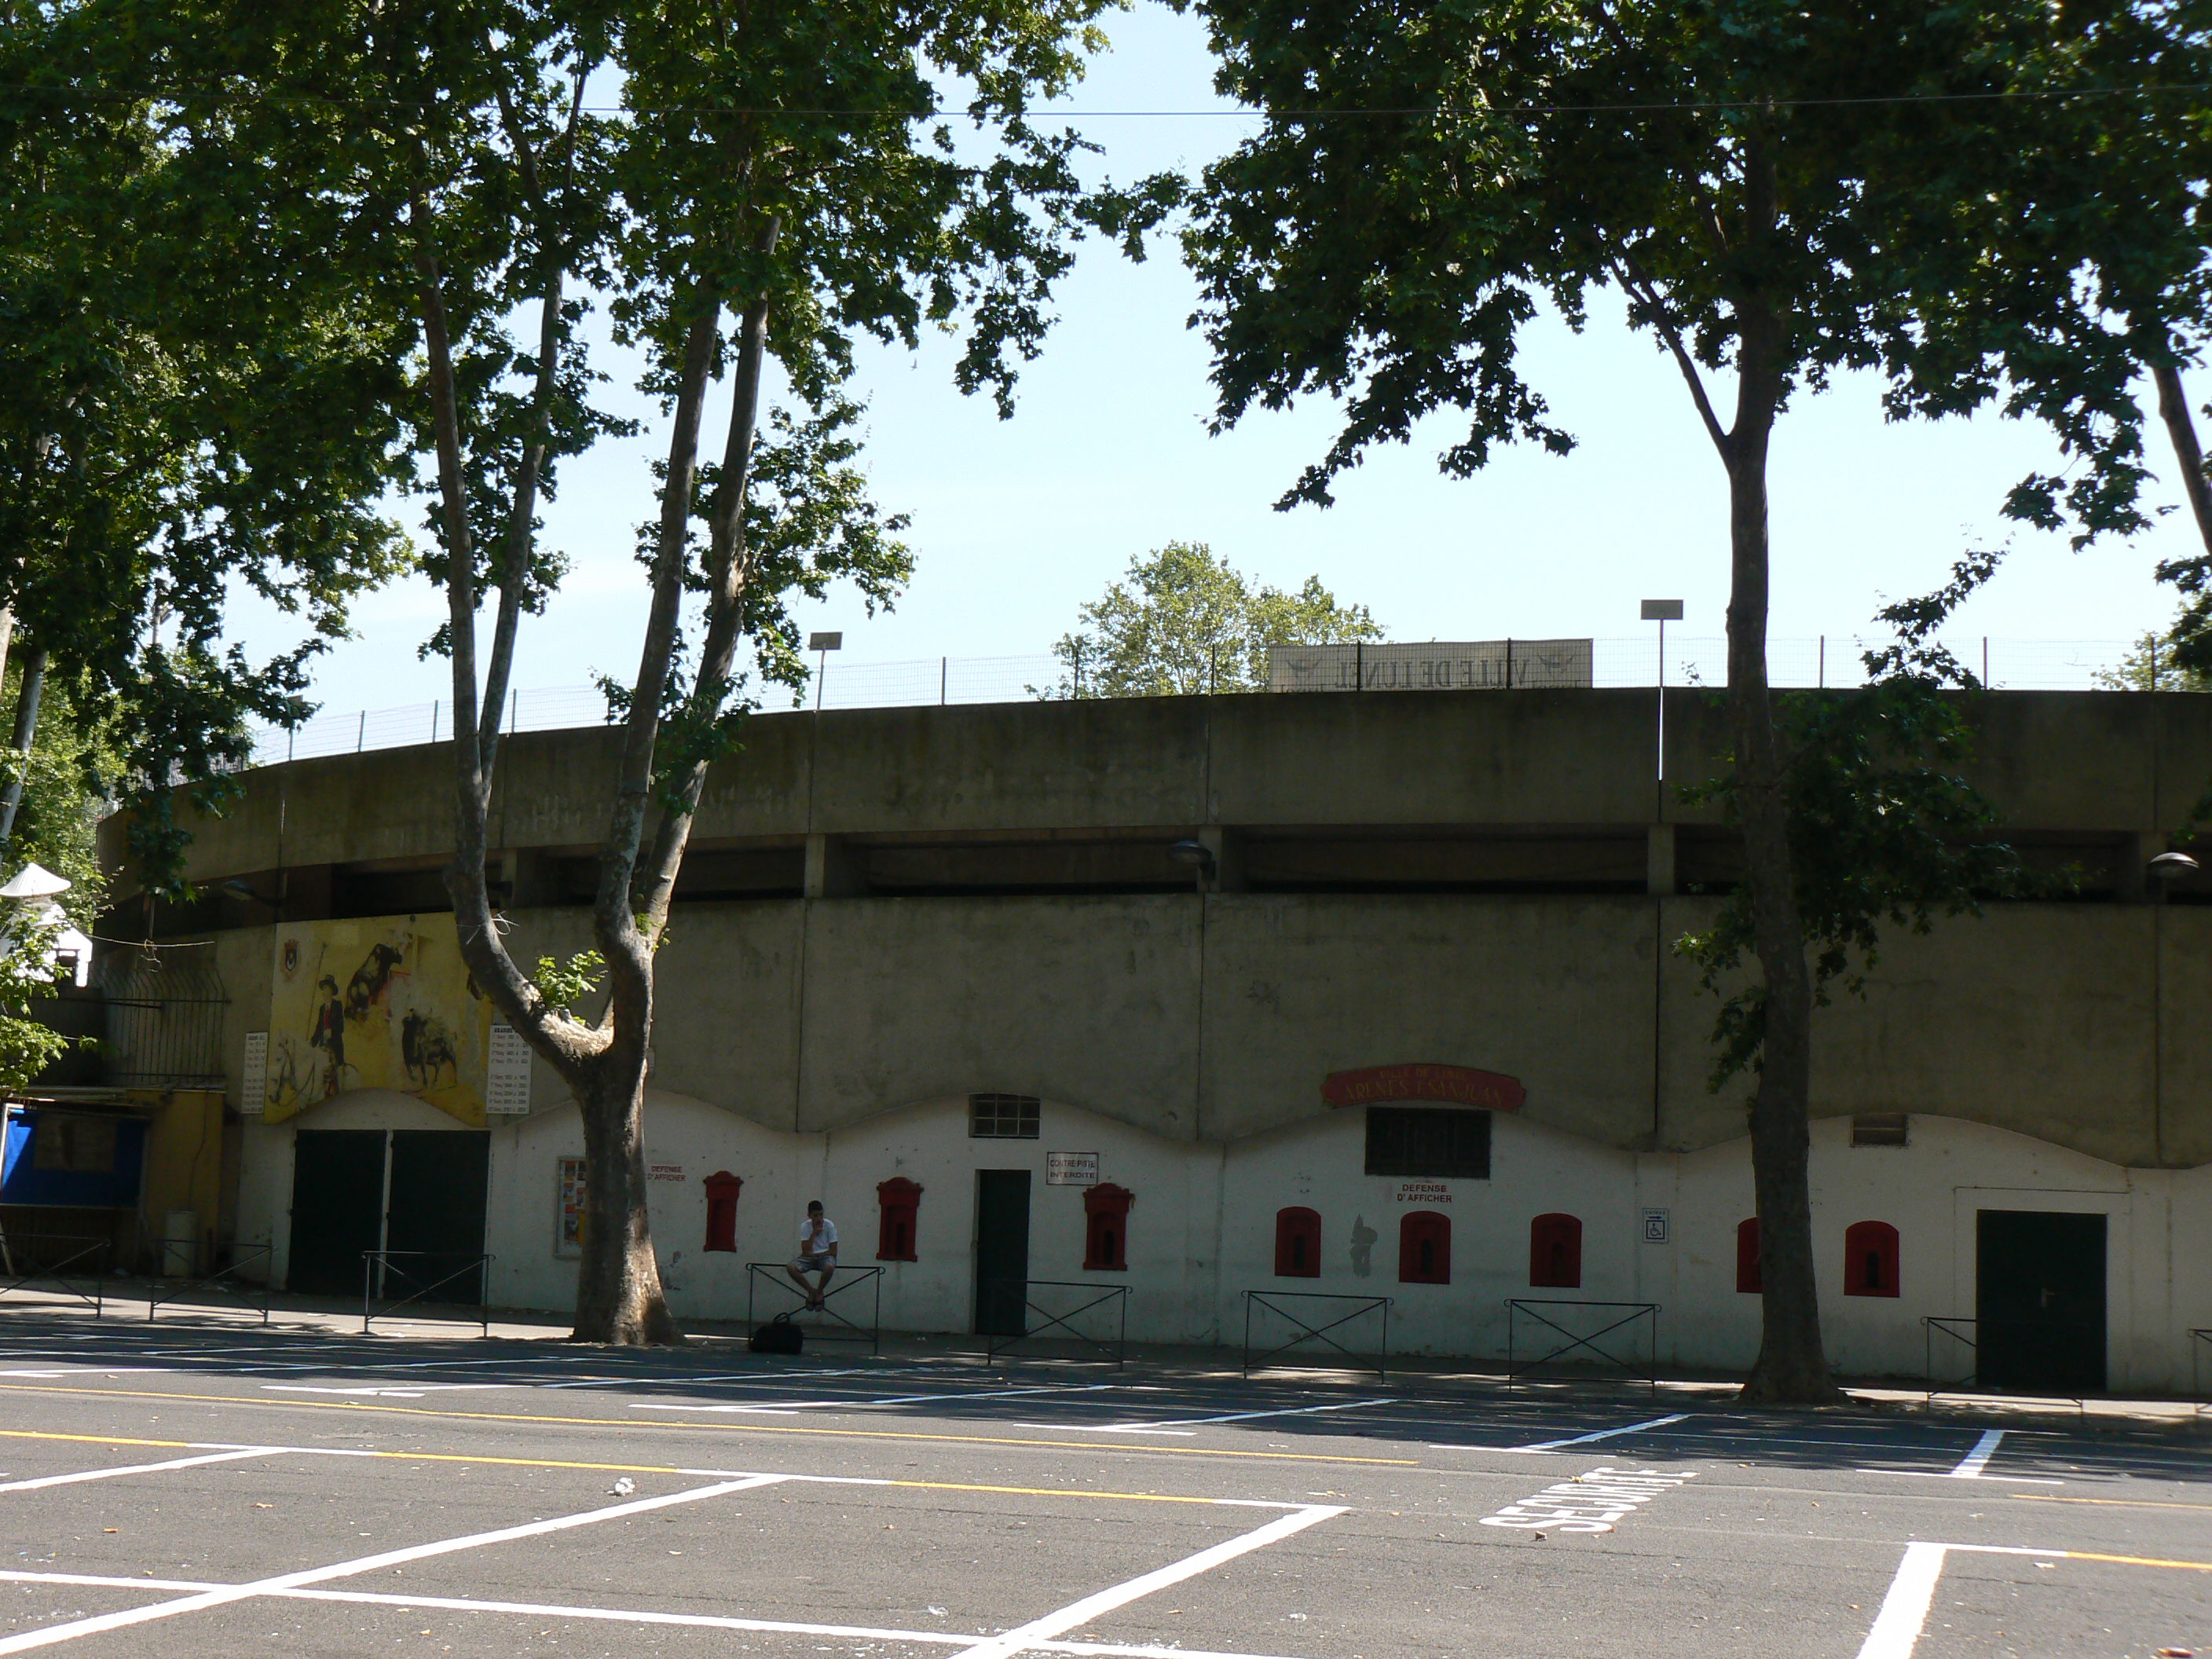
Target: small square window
(1879, 1129)
(1423, 1141)
(1002, 1117)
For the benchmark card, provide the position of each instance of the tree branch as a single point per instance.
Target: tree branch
(1638, 286)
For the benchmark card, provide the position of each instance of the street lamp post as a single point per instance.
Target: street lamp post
(822, 645)
(1663, 611)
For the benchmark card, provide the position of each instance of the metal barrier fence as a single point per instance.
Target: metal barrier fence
(2200, 1347)
(1265, 1302)
(1526, 1309)
(1958, 1332)
(178, 1288)
(379, 1267)
(845, 1279)
(1115, 1349)
(1631, 661)
(80, 1274)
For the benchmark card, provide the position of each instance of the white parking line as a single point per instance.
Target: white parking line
(1081, 1613)
(620, 1615)
(139, 1469)
(1971, 1465)
(1897, 1627)
(53, 1634)
(1578, 1439)
(1176, 1424)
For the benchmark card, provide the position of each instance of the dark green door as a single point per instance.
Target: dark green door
(338, 1209)
(1002, 1251)
(438, 1181)
(2039, 1301)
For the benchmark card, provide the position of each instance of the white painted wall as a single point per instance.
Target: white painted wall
(1201, 1231)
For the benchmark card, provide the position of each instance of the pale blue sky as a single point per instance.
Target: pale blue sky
(1018, 523)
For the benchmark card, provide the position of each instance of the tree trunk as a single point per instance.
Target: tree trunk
(27, 737)
(2181, 427)
(618, 1292)
(1792, 1365)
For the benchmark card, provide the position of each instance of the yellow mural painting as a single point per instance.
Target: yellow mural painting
(376, 1004)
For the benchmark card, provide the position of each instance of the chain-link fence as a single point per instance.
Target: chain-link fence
(1834, 659)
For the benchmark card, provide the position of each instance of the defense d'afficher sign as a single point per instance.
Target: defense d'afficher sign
(1460, 1085)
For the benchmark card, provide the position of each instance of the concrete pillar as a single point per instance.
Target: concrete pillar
(832, 869)
(1659, 860)
(2131, 876)
(1228, 857)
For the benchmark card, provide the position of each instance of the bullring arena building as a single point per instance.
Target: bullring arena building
(1404, 1023)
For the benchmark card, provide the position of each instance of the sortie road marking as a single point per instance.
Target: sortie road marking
(631, 1424)
(52, 1634)
(1588, 1502)
(1081, 1613)
(1582, 1439)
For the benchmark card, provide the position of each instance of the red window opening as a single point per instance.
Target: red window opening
(1870, 1259)
(898, 1205)
(1106, 1228)
(1298, 1242)
(1424, 1248)
(1746, 1257)
(722, 1210)
(1555, 1252)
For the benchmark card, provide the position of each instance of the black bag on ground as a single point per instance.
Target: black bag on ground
(779, 1336)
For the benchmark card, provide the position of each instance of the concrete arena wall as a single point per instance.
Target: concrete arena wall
(1201, 1231)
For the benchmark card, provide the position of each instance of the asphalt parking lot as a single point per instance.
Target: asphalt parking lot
(178, 1490)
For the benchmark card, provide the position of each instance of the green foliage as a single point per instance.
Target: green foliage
(2150, 665)
(1884, 831)
(565, 984)
(1184, 622)
(187, 404)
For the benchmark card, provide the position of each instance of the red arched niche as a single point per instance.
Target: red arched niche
(1424, 1248)
(1870, 1259)
(723, 1188)
(1298, 1242)
(1106, 1227)
(898, 1207)
(1555, 1252)
(1747, 1255)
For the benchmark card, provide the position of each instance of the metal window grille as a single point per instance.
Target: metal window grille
(1424, 1141)
(164, 1020)
(1002, 1117)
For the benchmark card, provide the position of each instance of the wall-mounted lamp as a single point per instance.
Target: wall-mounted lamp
(2169, 867)
(1199, 856)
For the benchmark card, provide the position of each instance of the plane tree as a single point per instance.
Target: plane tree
(1775, 192)
(744, 198)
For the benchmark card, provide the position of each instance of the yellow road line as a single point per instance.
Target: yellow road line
(624, 1468)
(2135, 1560)
(2109, 1503)
(1092, 1446)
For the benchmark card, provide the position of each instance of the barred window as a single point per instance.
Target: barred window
(1002, 1117)
(1423, 1141)
(1879, 1129)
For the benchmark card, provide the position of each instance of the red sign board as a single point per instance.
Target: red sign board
(1461, 1086)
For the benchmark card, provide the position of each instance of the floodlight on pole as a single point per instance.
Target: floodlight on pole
(1663, 611)
(822, 645)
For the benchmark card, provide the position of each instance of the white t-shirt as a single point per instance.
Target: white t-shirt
(811, 1242)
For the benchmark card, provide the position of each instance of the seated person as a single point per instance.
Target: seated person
(818, 1254)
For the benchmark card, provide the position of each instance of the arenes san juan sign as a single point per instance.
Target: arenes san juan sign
(1459, 1085)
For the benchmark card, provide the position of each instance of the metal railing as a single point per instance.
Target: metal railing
(379, 1267)
(2200, 1348)
(181, 1287)
(1266, 1301)
(86, 1263)
(1520, 1309)
(843, 1280)
(1115, 1349)
(1961, 1333)
(1624, 662)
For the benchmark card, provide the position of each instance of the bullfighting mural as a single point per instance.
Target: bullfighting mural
(381, 1004)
